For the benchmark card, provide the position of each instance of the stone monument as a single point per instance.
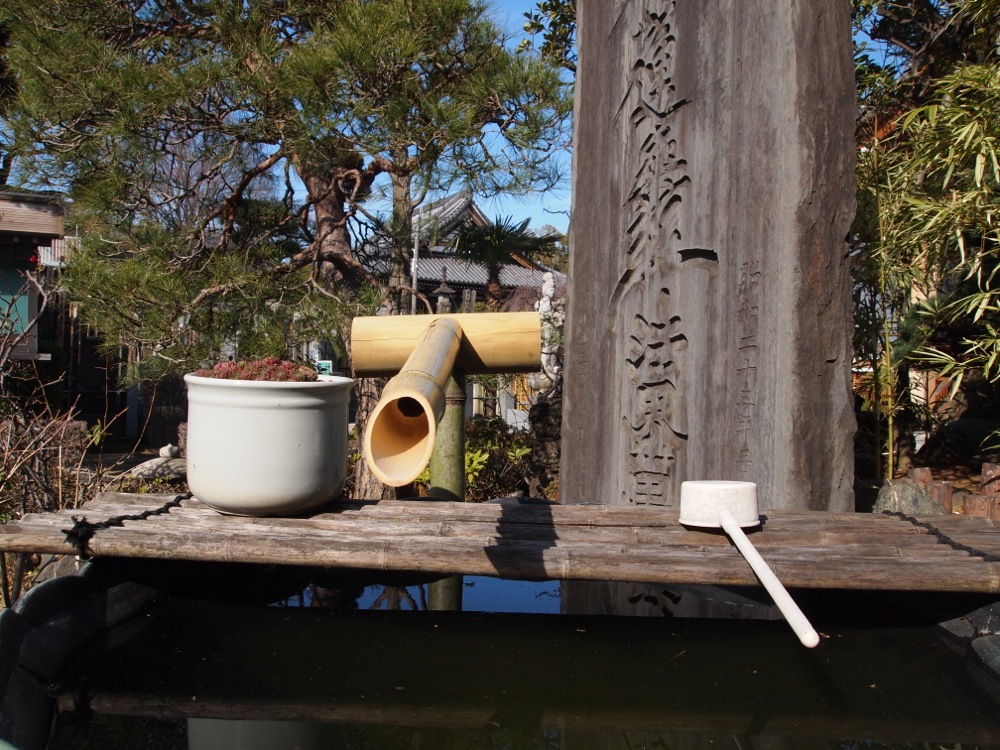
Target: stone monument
(709, 321)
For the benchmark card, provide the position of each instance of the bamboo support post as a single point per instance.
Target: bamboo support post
(448, 457)
(448, 481)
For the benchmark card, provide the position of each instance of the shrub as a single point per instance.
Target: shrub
(496, 461)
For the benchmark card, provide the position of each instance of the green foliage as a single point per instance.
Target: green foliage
(884, 277)
(475, 462)
(949, 210)
(500, 464)
(924, 240)
(497, 243)
(183, 132)
(97, 433)
(495, 460)
(556, 256)
(8, 90)
(555, 20)
(155, 485)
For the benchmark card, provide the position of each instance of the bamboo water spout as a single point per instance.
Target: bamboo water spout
(424, 349)
(401, 431)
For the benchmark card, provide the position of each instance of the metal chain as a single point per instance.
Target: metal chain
(83, 530)
(944, 538)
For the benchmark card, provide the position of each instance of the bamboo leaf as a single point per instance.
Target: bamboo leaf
(982, 307)
(952, 163)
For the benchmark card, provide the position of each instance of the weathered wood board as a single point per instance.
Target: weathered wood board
(540, 542)
(709, 298)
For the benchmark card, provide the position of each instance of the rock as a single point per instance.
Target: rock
(985, 620)
(170, 451)
(26, 711)
(959, 629)
(985, 660)
(906, 496)
(160, 468)
(54, 566)
(980, 622)
(44, 629)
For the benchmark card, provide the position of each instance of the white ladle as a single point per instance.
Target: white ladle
(733, 506)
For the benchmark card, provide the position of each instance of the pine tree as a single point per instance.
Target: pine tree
(218, 154)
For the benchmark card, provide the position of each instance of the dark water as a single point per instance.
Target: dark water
(203, 674)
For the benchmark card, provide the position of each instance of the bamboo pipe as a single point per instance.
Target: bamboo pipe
(492, 343)
(400, 436)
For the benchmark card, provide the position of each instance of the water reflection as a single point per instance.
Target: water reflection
(206, 674)
(479, 594)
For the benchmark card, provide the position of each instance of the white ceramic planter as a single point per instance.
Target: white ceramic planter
(261, 448)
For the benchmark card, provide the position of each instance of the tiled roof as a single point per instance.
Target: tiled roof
(462, 273)
(443, 217)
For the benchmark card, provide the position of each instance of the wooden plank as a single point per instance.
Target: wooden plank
(489, 534)
(583, 515)
(453, 517)
(831, 545)
(805, 549)
(541, 560)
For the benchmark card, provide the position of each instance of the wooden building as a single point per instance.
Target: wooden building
(436, 266)
(28, 222)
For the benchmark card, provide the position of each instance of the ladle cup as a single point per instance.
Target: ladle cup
(733, 506)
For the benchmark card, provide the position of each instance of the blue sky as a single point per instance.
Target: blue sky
(551, 207)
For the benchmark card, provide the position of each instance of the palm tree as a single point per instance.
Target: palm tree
(496, 244)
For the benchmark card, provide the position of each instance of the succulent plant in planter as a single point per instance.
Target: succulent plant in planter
(269, 368)
(266, 437)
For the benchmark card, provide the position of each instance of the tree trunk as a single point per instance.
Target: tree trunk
(336, 262)
(366, 486)
(370, 389)
(493, 292)
(336, 259)
(402, 251)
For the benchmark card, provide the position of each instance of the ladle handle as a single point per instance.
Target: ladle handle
(798, 622)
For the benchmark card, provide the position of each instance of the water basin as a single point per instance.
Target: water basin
(507, 673)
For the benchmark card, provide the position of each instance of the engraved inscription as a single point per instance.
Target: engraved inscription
(651, 337)
(656, 427)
